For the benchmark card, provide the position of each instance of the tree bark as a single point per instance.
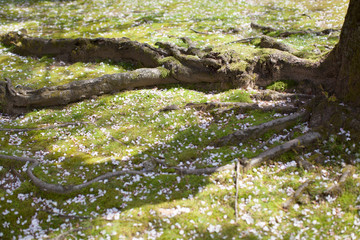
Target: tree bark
(342, 65)
(165, 64)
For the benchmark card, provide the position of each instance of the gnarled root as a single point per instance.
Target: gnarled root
(61, 189)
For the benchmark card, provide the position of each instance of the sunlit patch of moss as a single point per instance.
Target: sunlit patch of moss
(282, 85)
(237, 95)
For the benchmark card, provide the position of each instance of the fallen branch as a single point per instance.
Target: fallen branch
(64, 189)
(258, 130)
(297, 194)
(305, 139)
(43, 128)
(336, 189)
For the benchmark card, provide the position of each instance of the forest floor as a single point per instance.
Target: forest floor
(128, 130)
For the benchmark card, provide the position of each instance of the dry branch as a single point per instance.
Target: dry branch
(258, 130)
(305, 139)
(336, 189)
(297, 194)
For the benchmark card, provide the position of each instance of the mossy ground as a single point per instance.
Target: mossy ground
(164, 205)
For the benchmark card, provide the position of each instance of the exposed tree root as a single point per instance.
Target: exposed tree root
(282, 33)
(59, 125)
(286, 205)
(80, 90)
(336, 189)
(240, 107)
(305, 139)
(269, 42)
(270, 95)
(64, 189)
(258, 130)
(163, 65)
(61, 189)
(199, 171)
(304, 164)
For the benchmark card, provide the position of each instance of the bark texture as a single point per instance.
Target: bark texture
(164, 64)
(342, 65)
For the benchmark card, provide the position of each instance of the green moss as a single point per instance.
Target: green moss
(282, 85)
(239, 66)
(169, 60)
(164, 72)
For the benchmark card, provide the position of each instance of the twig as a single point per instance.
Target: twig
(16, 173)
(297, 194)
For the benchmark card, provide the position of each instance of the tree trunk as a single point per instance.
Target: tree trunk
(343, 62)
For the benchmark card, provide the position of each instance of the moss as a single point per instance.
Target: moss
(169, 60)
(239, 66)
(282, 85)
(164, 72)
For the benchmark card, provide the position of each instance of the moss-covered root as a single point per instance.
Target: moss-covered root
(336, 189)
(13, 101)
